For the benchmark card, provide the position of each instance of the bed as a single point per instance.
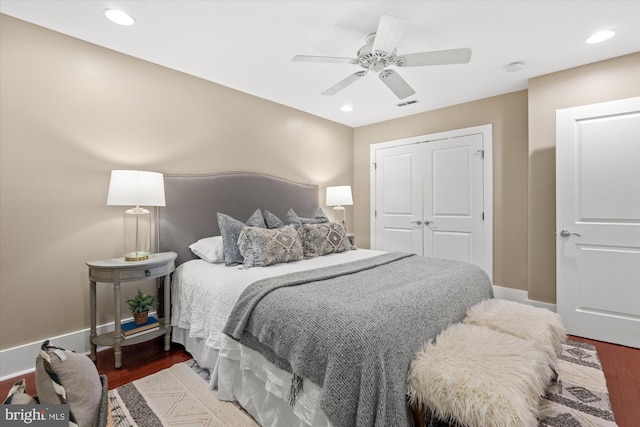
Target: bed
(319, 341)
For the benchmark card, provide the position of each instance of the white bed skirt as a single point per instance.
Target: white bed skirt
(241, 374)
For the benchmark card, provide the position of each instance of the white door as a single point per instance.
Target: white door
(429, 198)
(398, 191)
(598, 220)
(452, 201)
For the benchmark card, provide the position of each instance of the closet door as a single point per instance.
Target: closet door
(398, 194)
(429, 198)
(453, 199)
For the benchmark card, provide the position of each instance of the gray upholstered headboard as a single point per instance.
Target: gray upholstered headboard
(192, 202)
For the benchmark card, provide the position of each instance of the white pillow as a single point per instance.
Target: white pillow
(209, 249)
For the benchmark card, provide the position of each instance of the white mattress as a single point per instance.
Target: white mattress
(202, 296)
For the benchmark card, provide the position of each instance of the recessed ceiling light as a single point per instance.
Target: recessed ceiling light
(600, 36)
(119, 17)
(347, 108)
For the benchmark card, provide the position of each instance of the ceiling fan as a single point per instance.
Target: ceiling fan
(379, 53)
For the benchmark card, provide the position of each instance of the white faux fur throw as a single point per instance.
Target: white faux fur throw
(479, 377)
(521, 320)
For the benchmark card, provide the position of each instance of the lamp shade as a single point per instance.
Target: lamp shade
(136, 188)
(339, 196)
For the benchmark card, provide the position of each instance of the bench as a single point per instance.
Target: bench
(479, 377)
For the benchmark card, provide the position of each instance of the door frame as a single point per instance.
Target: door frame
(487, 198)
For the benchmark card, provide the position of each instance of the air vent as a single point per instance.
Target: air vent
(404, 104)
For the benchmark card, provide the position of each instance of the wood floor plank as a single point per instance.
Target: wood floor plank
(628, 386)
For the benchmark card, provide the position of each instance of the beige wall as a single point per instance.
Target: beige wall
(508, 115)
(71, 112)
(617, 78)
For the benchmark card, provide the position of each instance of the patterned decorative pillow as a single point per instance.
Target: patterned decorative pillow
(272, 220)
(323, 239)
(230, 229)
(261, 247)
(292, 218)
(65, 377)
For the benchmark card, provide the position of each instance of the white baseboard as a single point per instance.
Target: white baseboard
(520, 296)
(21, 360)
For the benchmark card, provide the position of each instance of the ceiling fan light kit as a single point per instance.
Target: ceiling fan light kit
(379, 53)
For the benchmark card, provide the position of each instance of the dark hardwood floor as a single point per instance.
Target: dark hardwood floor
(621, 367)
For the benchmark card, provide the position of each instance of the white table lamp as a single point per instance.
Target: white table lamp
(136, 188)
(339, 197)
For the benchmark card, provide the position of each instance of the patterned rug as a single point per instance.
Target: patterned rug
(179, 396)
(580, 396)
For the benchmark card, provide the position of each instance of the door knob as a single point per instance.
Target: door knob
(427, 222)
(418, 222)
(567, 233)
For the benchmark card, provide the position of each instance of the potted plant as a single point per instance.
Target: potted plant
(140, 306)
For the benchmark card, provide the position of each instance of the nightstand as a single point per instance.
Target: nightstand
(118, 271)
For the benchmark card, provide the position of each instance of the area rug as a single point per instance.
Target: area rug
(580, 396)
(179, 396)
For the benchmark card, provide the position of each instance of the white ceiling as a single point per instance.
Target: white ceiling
(248, 45)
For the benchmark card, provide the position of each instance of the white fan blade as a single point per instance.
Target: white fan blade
(438, 57)
(344, 83)
(390, 29)
(396, 83)
(308, 58)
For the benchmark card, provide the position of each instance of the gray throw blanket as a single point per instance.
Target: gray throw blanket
(354, 328)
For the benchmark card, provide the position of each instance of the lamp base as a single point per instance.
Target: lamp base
(340, 217)
(136, 256)
(137, 234)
